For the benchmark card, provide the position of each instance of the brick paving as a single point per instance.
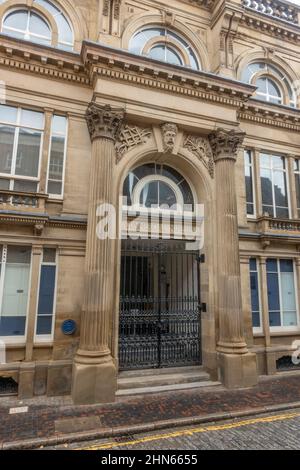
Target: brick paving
(40, 420)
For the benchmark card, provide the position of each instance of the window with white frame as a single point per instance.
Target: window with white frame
(21, 139)
(272, 84)
(57, 156)
(297, 184)
(157, 187)
(255, 294)
(249, 183)
(165, 45)
(14, 290)
(282, 299)
(29, 24)
(273, 177)
(46, 295)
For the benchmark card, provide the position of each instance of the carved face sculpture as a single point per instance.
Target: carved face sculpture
(169, 136)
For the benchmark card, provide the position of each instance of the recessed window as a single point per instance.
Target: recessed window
(273, 179)
(30, 25)
(297, 184)
(57, 156)
(46, 296)
(21, 137)
(272, 84)
(164, 45)
(157, 187)
(255, 294)
(25, 24)
(14, 289)
(281, 293)
(249, 183)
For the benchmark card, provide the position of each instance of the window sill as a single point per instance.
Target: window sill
(283, 332)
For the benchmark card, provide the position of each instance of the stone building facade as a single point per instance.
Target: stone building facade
(184, 101)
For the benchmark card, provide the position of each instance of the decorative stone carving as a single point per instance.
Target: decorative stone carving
(200, 147)
(117, 8)
(130, 137)
(225, 143)
(104, 121)
(169, 134)
(105, 10)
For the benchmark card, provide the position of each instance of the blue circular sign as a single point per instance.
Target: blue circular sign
(68, 327)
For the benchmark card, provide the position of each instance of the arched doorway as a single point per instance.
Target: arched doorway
(159, 323)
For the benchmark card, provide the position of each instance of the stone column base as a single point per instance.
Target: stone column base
(238, 370)
(94, 383)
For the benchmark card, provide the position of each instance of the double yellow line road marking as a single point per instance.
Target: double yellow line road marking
(198, 430)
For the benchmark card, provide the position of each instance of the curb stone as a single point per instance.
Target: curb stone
(142, 428)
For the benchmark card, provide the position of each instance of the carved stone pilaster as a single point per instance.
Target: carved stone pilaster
(104, 121)
(225, 143)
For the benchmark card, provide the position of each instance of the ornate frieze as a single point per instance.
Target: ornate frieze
(104, 121)
(116, 9)
(225, 143)
(274, 8)
(105, 10)
(169, 134)
(200, 147)
(129, 137)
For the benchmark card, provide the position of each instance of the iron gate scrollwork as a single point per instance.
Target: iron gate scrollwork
(160, 324)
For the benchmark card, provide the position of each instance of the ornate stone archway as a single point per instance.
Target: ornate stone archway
(117, 145)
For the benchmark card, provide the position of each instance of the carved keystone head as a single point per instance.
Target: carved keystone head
(169, 134)
(104, 121)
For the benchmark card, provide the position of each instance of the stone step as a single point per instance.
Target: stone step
(163, 371)
(157, 380)
(167, 388)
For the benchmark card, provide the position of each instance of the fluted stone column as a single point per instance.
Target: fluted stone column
(238, 367)
(94, 372)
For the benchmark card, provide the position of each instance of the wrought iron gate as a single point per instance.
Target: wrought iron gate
(159, 306)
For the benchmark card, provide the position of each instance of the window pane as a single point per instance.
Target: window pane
(261, 84)
(249, 189)
(166, 195)
(7, 135)
(289, 319)
(149, 195)
(15, 292)
(49, 255)
(28, 153)
(172, 57)
(38, 26)
(278, 162)
(44, 325)
(59, 125)
(4, 184)
(272, 265)
(288, 292)
(54, 188)
(253, 264)
(8, 114)
(273, 89)
(158, 53)
(26, 186)
(282, 212)
(32, 119)
(274, 318)
(46, 300)
(280, 189)
(266, 187)
(57, 158)
(17, 20)
(273, 291)
(265, 160)
(297, 184)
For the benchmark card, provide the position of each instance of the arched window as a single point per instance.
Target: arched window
(272, 84)
(25, 24)
(29, 24)
(154, 186)
(165, 45)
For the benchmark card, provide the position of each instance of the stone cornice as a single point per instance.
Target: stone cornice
(40, 220)
(116, 64)
(270, 115)
(34, 58)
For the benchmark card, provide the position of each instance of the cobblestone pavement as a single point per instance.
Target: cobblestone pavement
(56, 418)
(272, 431)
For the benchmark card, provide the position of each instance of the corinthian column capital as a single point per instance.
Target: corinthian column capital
(225, 143)
(103, 121)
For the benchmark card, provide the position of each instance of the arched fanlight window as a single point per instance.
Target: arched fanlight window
(272, 84)
(165, 45)
(26, 24)
(154, 186)
(29, 24)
